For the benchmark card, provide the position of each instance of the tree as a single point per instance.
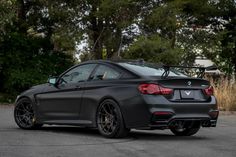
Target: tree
(154, 49)
(30, 49)
(227, 55)
(105, 22)
(159, 24)
(216, 20)
(37, 33)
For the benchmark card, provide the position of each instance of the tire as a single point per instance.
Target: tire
(24, 115)
(188, 129)
(110, 121)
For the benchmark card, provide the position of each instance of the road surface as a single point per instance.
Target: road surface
(58, 141)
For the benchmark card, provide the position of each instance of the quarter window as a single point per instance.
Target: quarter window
(105, 73)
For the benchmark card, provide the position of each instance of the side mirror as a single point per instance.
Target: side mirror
(52, 80)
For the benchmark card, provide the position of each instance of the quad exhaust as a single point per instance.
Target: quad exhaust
(206, 123)
(182, 123)
(177, 123)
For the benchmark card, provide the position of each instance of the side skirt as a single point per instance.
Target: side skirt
(69, 122)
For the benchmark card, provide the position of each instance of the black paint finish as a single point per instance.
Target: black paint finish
(77, 103)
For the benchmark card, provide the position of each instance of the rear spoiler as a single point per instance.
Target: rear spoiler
(200, 74)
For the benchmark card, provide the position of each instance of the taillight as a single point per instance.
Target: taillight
(154, 89)
(209, 91)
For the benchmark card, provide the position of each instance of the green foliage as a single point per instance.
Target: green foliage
(154, 49)
(163, 18)
(35, 42)
(39, 37)
(7, 14)
(29, 61)
(220, 16)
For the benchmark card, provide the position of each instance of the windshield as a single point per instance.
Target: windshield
(150, 69)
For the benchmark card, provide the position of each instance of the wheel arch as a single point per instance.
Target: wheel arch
(22, 97)
(107, 98)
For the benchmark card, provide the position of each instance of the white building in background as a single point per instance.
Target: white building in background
(204, 62)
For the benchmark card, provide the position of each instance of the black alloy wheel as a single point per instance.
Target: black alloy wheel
(110, 121)
(24, 114)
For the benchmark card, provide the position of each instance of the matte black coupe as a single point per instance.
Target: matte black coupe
(116, 96)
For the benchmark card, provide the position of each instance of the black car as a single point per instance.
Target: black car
(116, 96)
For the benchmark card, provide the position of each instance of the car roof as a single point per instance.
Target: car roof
(116, 61)
(116, 64)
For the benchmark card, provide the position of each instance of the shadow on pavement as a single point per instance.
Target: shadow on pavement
(140, 135)
(163, 136)
(71, 130)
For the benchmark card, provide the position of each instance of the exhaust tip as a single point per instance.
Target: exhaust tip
(206, 123)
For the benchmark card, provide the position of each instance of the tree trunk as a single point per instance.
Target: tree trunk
(173, 39)
(21, 14)
(117, 41)
(97, 30)
(118, 45)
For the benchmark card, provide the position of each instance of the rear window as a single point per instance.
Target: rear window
(149, 69)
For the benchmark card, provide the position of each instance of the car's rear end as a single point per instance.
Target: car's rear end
(177, 101)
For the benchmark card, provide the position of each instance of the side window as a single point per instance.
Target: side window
(78, 74)
(105, 73)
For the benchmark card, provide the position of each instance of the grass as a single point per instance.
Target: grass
(225, 93)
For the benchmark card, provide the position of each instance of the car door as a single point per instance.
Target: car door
(103, 77)
(60, 103)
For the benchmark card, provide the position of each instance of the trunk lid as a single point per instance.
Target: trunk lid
(184, 83)
(186, 89)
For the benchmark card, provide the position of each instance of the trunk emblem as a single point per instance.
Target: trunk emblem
(187, 92)
(189, 83)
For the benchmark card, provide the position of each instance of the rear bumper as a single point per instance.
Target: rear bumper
(165, 124)
(166, 113)
(138, 111)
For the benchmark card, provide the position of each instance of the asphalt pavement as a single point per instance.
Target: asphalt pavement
(67, 141)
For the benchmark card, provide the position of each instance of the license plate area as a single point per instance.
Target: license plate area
(187, 94)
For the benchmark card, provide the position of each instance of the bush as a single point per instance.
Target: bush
(225, 94)
(27, 60)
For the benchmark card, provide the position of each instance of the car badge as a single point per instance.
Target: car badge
(187, 92)
(189, 83)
